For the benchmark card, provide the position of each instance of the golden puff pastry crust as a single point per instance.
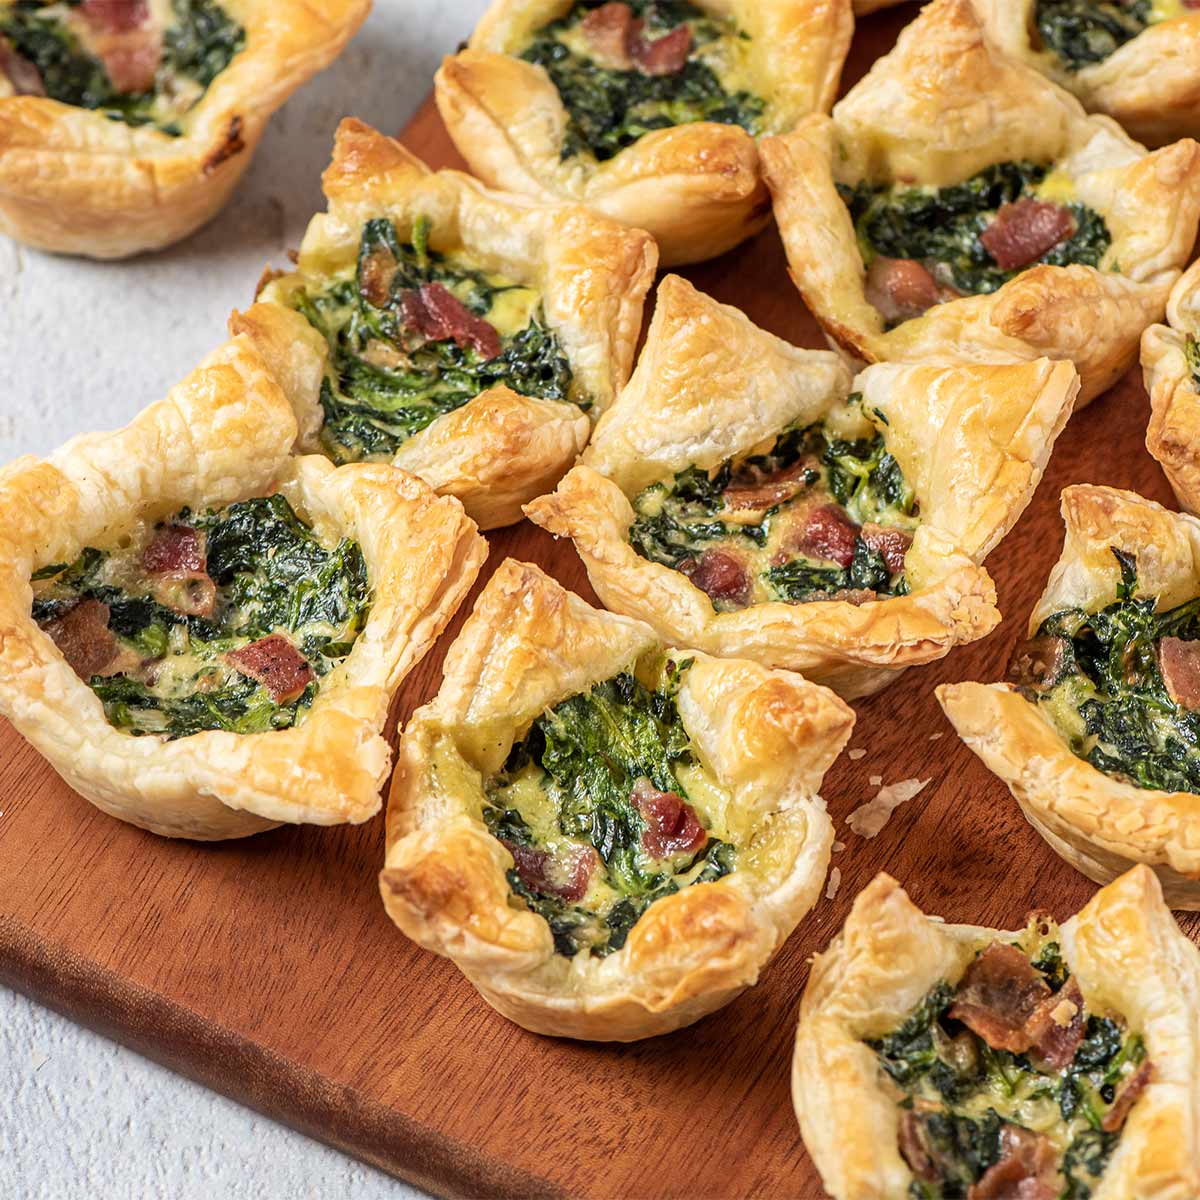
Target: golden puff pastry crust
(75, 182)
(225, 434)
(1171, 372)
(971, 440)
(766, 737)
(941, 107)
(697, 188)
(499, 449)
(1150, 84)
(1098, 823)
(1126, 953)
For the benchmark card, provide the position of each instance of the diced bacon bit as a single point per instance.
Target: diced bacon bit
(275, 663)
(175, 549)
(835, 882)
(1024, 1171)
(720, 575)
(998, 995)
(869, 819)
(610, 32)
(376, 274)
(1129, 1091)
(1056, 1026)
(1024, 230)
(914, 1149)
(123, 37)
(755, 492)
(891, 544)
(672, 826)
(829, 534)
(1179, 662)
(116, 16)
(541, 872)
(439, 315)
(24, 76)
(1038, 662)
(84, 639)
(900, 288)
(665, 55)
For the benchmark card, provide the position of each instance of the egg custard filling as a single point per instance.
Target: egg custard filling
(1081, 32)
(605, 809)
(414, 333)
(1007, 1084)
(924, 245)
(821, 512)
(144, 62)
(1122, 685)
(227, 619)
(623, 70)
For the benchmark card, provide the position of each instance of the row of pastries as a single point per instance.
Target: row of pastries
(610, 818)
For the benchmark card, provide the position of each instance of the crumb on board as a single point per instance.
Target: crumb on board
(869, 819)
(835, 882)
(933, 737)
(838, 847)
(855, 754)
(874, 780)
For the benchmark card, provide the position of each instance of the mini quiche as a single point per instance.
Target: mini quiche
(608, 837)
(467, 336)
(1171, 371)
(647, 111)
(202, 633)
(753, 500)
(958, 205)
(938, 1061)
(1096, 735)
(1132, 59)
(125, 124)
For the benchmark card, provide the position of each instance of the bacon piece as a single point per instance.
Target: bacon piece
(540, 872)
(1132, 1087)
(436, 313)
(84, 639)
(892, 544)
(129, 44)
(829, 534)
(720, 575)
(665, 55)
(998, 994)
(376, 274)
(900, 288)
(1038, 662)
(672, 826)
(24, 76)
(1179, 662)
(175, 549)
(1024, 230)
(115, 16)
(757, 491)
(1056, 1026)
(1024, 1171)
(275, 663)
(914, 1149)
(610, 31)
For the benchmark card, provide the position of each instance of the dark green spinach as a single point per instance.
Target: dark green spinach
(1082, 32)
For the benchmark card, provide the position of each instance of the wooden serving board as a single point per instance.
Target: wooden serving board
(267, 969)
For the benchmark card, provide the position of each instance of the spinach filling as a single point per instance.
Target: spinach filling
(385, 382)
(1192, 353)
(272, 576)
(958, 1093)
(1106, 693)
(611, 109)
(567, 789)
(941, 227)
(1082, 32)
(197, 46)
(858, 481)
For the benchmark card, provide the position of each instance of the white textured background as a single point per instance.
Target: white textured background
(84, 346)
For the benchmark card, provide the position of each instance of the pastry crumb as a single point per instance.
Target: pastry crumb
(933, 737)
(855, 754)
(869, 819)
(874, 780)
(838, 847)
(835, 882)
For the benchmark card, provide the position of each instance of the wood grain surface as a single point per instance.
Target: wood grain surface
(267, 969)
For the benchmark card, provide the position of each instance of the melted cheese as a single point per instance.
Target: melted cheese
(1057, 188)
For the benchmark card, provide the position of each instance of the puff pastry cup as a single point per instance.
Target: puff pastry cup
(74, 181)
(1123, 950)
(225, 435)
(1149, 83)
(760, 743)
(943, 107)
(501, 447)
(1098, 820)
(696, 187)
(971, 442)
(1171, 372)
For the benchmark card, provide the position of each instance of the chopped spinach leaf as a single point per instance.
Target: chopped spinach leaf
(1082, 32)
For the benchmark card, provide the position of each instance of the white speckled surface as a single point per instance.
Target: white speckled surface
(84, 346)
